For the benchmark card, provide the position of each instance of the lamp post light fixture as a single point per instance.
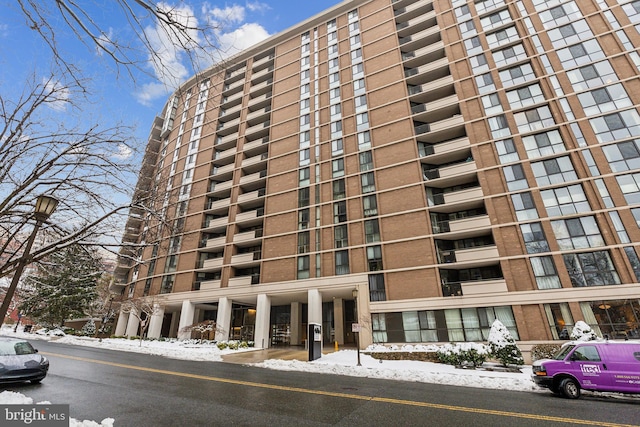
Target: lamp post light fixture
(45, 205)
(354, 293)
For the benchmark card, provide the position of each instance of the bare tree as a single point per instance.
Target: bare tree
(203, 328)
(142, 309)
(156, 36)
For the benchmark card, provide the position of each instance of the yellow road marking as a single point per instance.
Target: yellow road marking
(348, 395)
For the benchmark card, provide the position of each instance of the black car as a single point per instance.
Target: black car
(19, 361)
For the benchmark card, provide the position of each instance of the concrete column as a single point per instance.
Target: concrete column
(132, 324)
(364, 316)
(187, 314)
(296, 323)
(121, 326)
(314, 309)
(338, 320)
(223, 320)
(263, 321)
(155, 324)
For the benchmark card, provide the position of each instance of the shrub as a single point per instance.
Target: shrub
(463, 354)
(503, 346)
(544, 351)
(233, 344)
(583, 332)
(222, 345)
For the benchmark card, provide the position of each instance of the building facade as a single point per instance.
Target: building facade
(418, 168)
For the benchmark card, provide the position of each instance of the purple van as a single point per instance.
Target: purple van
(591, 365)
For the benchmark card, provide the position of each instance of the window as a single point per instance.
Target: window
(376, 288)
(332, 36)
(362, 121)
(342, 262)
(364, 140)
(303, 197)
(340, 238)
(524, 206)
(334, 95)
(577, 233)
(467, 29)
(335, 110)
(334, 79)
(353, 15)
(340, 212)
(372, 231)
(360, 102)
(167, 284)
(560, 320)
(495, 19)
(462, 12)
(515, 178)
(623, 156)
(591, 269)
(336, 129)
(305, 119)
(580, 54)
(502, 37)
(358, 86)
(336, 147)
(525, 96)
(367, 181)
(303, 242)
(545, 273)
(604, 100)
(304, 89)
(499, 126)
(303, 178)
(554, 171)
(568, 200)
(535, 119)
(560, 14)
(491, 104)
(339, 191)
(509, 55)
(507, 152)
(517, 75)
(366, 161)
(570, 33)
(303, 267)
(304, 156)
(304, 61)
(630, 187)
(356, 55)
(354, 26)
(304, 48)
(305, 138)
(473, 45)
(374, 258)
(621, 125)
(479, 63)
(303, 219)
(304, 75)
(543, 144)
(485, 83)
(332, 50)
(334, 64)
(337, 168)
(592, 75)
(354, 40)
(534, 238)
(370, 206)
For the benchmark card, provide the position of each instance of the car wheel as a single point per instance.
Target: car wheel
(36, 381)
(570, 388)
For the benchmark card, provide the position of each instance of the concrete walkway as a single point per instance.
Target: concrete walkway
(282, 353)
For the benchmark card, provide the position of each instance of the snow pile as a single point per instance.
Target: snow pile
(14, 398)
(583, 332)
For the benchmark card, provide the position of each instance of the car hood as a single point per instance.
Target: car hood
(21, 361)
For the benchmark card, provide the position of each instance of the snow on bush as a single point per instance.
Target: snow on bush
(463, 354)
(503, 346)
(583, 332)
(89, 328)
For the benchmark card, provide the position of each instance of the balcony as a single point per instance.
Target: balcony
(250, 161)
(480, 287)
(253, 179)
(261, 88)
(412, 11)
(244, 281)
(225, 156)
(416, 24)
(230, 113)
(212, 264)
(260, 101)
(248, 238)
(227, 128)
(250, 218)
(437, 110)
(445, 152)
(223, 172)
(258, 131)
(262, 62)
(210, 284)
(427, 72)
(472, 257)
(232, 88)
(253, 198)
(419, 40)
(463, 228)
(216, 224)
(261, 75)
(443, 130)
(246, 260)
(216, 243)
(454, 201)
(448, 176)
(231, 100)
(227, 141)
(220, 187)
(432, 90)
(218, 205)
(258, 117)
(256, 147)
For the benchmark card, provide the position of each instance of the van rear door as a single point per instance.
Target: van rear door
(623, 362)
(589, 368)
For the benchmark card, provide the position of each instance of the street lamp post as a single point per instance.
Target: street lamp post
(45, 205)
(355, 301)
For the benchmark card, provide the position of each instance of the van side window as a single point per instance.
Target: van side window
(587, 352)
(637, 355)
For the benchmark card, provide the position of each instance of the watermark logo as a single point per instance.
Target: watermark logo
(34, 415)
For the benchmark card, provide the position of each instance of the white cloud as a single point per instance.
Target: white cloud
(124, 152)
(228, 15)
(150, 92)
(258, 6)
(105, 43)
(241, 38)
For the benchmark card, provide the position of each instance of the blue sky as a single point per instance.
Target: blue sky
(114, 95)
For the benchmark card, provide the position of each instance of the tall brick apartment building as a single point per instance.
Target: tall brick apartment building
(452, 162)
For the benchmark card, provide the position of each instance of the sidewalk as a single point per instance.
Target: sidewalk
(281, 353)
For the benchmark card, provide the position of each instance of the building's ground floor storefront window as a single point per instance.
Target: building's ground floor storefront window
(614, 319)
(450, 325)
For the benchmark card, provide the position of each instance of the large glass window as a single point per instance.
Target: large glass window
(514, 175)
(340, 236)
(524, 206)
(340, 212)
(617, 319)
(623, 156)
(604, 100)
(577, 233)
(525, 96)
(560, 320)
(591, 269)
(303, 267)
(509, 55)
(303, 242)
(612, 127)
(374, 258)
(554, 171)
(517, 75)
(543, 144)
(535, 119)
(372, 231)
(630, 186)
(545, 272)
(580, 54)
(534, 238)
(339, 190)
(342, 262)
(368, 182)
(370, 206)
(568, 200)
(592, 76)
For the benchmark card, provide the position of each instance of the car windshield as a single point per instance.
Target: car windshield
(564, 350)
(12, 348)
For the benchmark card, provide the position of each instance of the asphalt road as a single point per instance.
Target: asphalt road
(141, 390)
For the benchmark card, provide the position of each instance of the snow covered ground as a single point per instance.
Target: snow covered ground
(342, 362)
